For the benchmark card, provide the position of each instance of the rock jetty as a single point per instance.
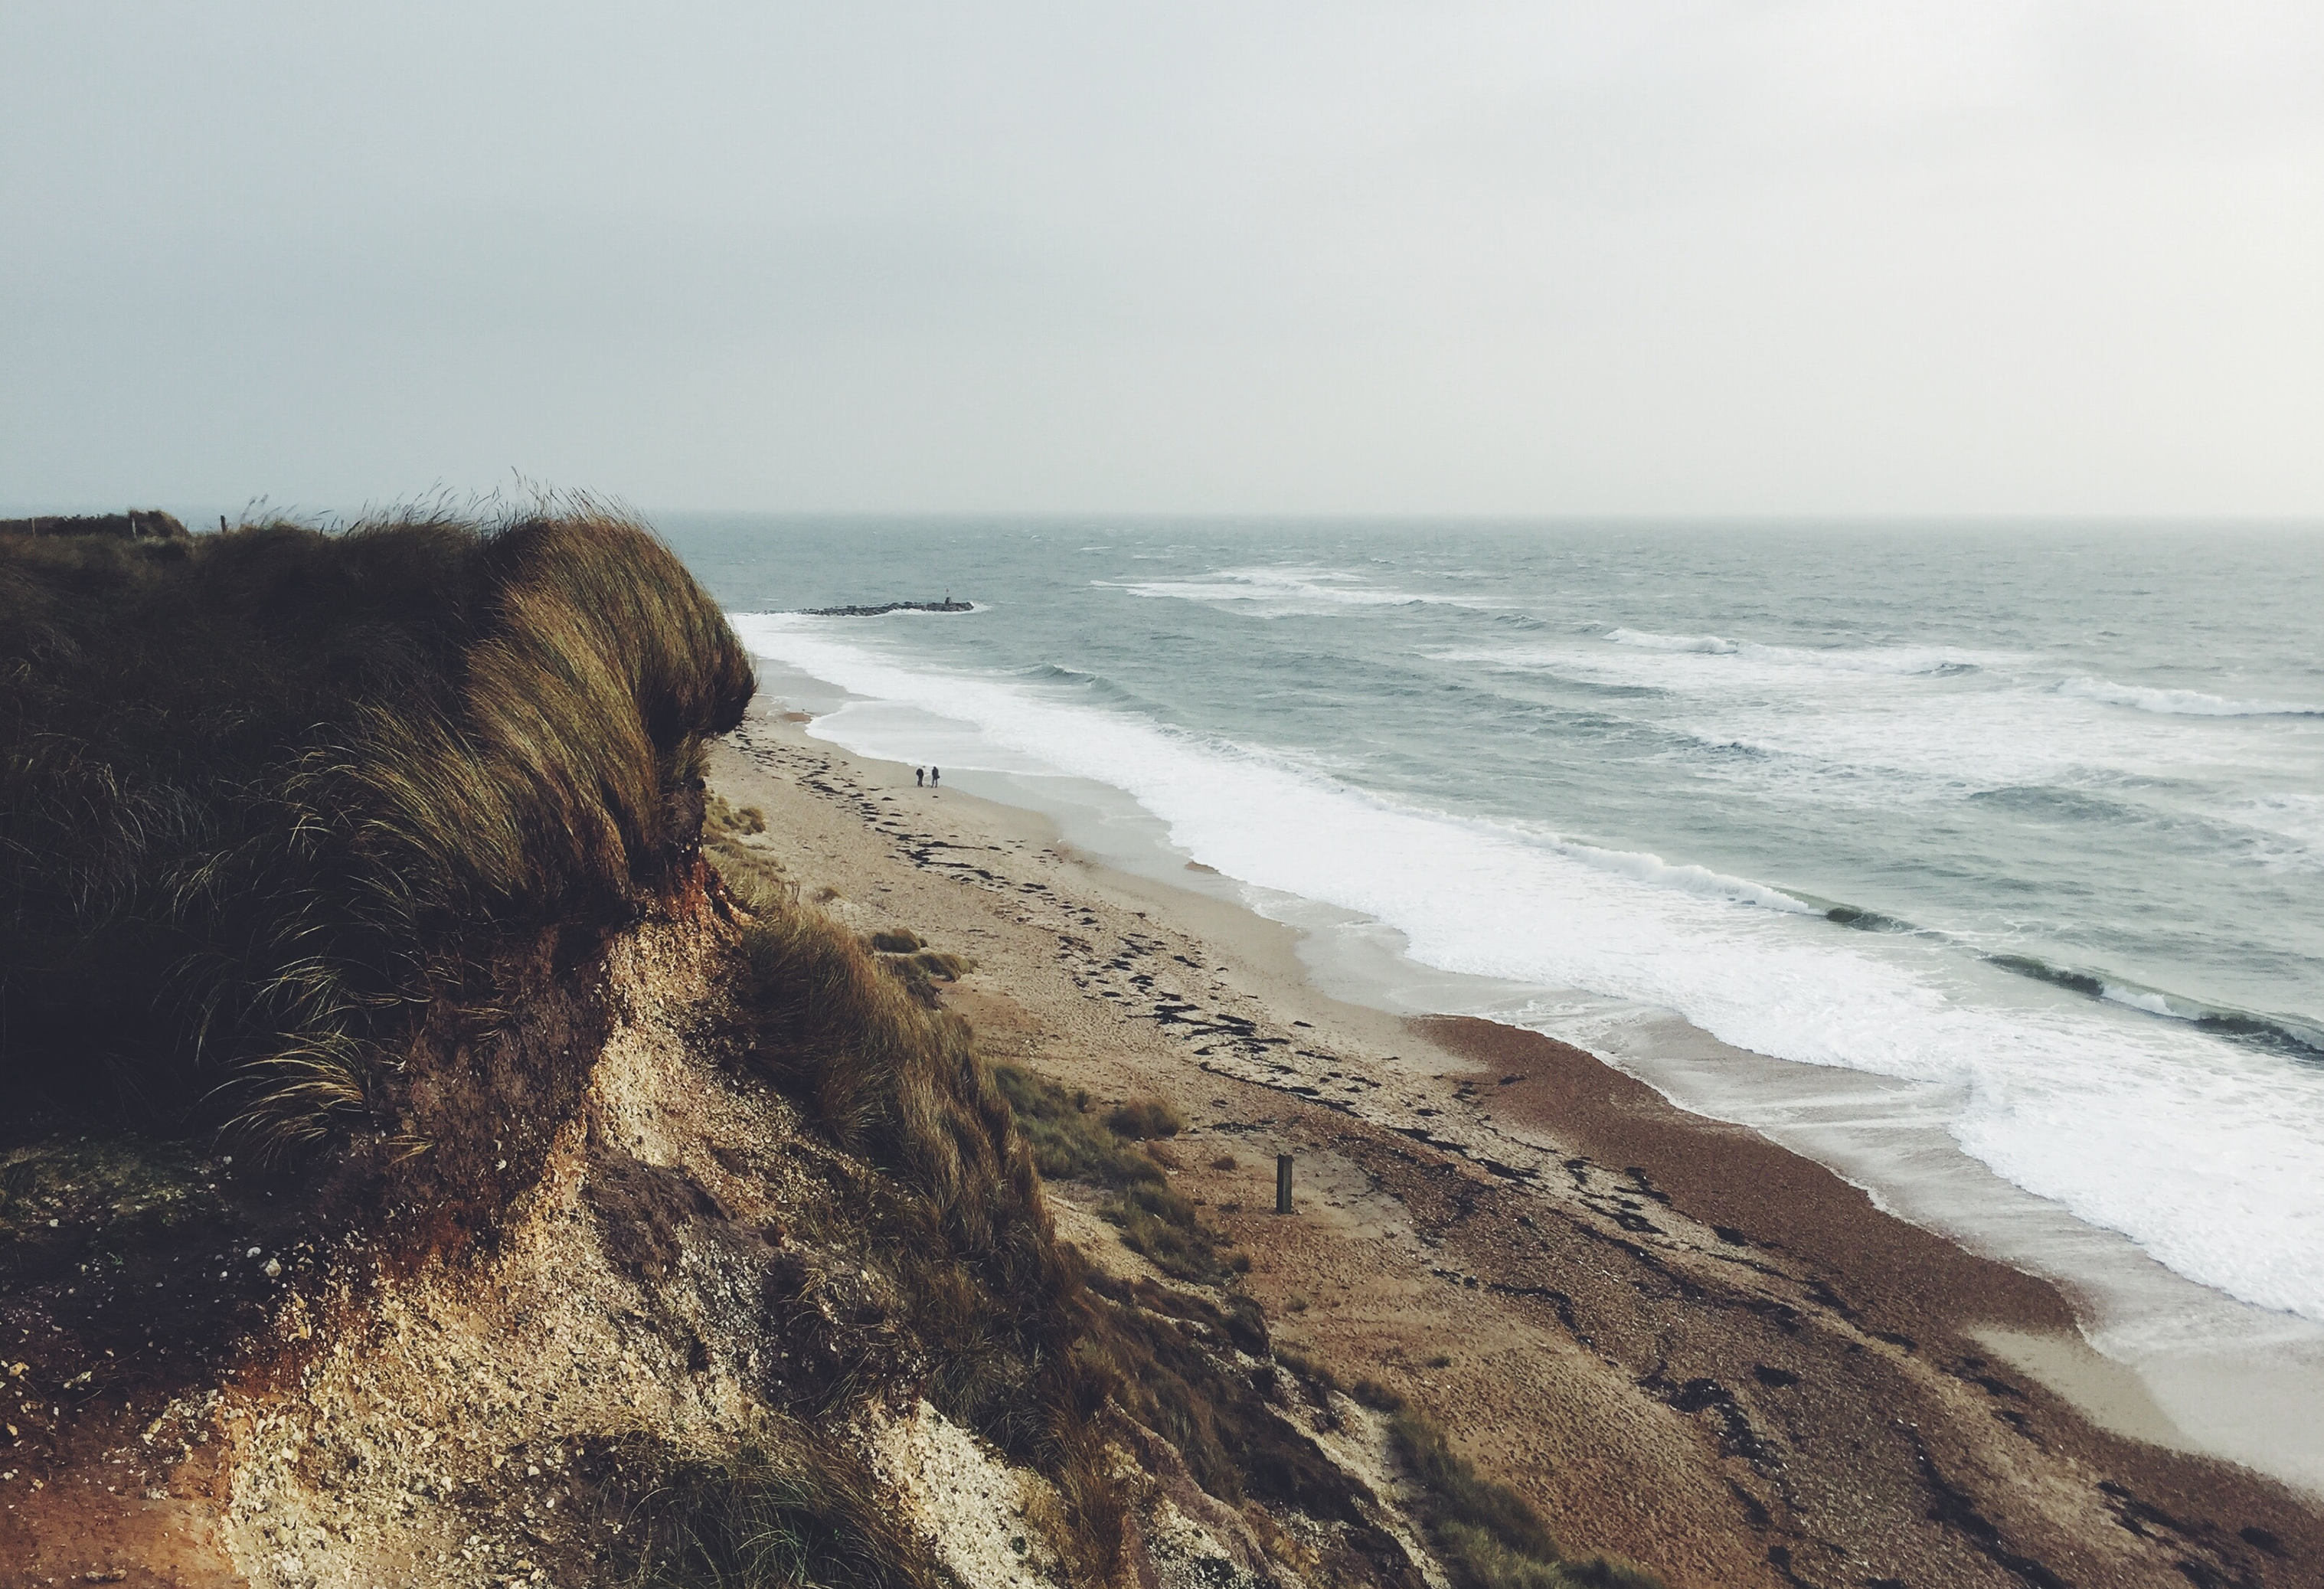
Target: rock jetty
(946, 605)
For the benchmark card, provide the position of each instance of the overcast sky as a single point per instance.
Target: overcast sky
(1831, 257)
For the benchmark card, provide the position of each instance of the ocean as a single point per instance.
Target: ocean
(2020, 828)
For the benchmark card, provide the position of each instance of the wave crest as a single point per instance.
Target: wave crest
(1281, 591)
(1906, 660)
(2180, 703)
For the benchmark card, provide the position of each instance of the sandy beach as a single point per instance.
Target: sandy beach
(1686, 1343)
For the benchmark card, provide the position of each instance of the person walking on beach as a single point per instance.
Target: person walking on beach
(919, 777)
(935, 776)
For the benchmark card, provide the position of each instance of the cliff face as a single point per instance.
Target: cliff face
(695, 1340)
(424, 1166)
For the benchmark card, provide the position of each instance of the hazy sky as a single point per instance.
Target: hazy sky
(1838, 256)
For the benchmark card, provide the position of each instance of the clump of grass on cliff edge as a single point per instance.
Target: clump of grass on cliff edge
(266, 794)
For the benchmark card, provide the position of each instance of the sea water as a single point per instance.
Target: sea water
(2022, 827)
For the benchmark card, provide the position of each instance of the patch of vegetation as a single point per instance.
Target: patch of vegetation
(752, 871)
(919, 968)
(1163, 1227)
(919, 972)
(1156, 1222)
(790, 1509)
(1488, 1533)
(269, 794)
(995, 1303)
(1143, 1119)
(1307, 1371)
(727, 816)
(1157, 1342)
(1066, 1143)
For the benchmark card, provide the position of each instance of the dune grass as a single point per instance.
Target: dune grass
(995, 1303)
(791, 1507)
(1155, 1221)
(265, 794)
(1143, 1119)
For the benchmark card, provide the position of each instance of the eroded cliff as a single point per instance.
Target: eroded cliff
(427, 1166)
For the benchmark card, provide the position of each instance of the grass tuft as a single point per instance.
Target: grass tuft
(726, 815)
(1155, 1221)
(1065, 1143)
(1143, 1119)
(1157, 1343)
(791, 1507)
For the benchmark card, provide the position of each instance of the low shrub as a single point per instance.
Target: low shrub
(723, 814)
(1306, 1368)
(755, 872)
(1145, 1118)
(1066, 1144)
(919, 972)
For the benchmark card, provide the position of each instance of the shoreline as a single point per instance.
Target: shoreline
(2148, 1353)
(1658, 1275)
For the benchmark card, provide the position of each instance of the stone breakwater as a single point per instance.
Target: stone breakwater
(946, 605)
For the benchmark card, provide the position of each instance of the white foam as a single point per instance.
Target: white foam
(1889, 659)
(1280, 591)
(2180, 703)
(1692, 879)
(2209, 1156)
(1705, 644)
(1886, 724)
(2287, 829)
(2145, 998)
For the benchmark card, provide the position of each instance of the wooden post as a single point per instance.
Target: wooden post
(1283, 1183)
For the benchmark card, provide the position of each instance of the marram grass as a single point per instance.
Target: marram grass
(266, 793)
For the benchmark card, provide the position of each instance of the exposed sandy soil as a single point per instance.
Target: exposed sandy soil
(1685, 1344)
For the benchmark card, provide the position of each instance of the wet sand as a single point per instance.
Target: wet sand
(1686, 1343)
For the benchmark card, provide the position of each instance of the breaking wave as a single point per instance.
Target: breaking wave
(2180, 703)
